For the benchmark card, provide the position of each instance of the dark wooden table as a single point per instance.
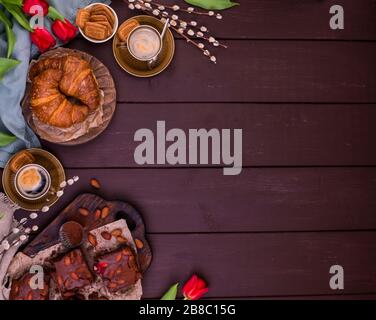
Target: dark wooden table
(305, 97)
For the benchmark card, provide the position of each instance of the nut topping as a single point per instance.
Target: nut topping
(67, 260)
(97, 214)
(121, 239)
(118, 257)
(139, 243)
(74, 275)
(106, 235)
(92, 240)
(105, 212)
(83, 212)
(95, 183)
(117, 232)
(59, 280)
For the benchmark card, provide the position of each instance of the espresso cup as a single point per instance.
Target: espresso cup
(144, 43)
(32, 181)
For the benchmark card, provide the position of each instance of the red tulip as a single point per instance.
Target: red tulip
(28, 4)
(195, 288)
(64, 30)
(43, 39)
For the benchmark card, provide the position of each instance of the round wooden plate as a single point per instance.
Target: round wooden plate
(106, 84)
(53, 166)
(140, 68)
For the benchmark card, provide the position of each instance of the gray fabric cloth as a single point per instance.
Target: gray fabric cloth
(6, 214)
(12, 86)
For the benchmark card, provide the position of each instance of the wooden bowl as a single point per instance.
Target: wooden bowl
(56, 171)
(106, 84)
(140, 68)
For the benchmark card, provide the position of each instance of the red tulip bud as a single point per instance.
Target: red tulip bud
(43, 39)
(29, 4)
(195, 288)
(64, 30)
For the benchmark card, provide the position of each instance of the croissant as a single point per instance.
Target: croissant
(64, 90)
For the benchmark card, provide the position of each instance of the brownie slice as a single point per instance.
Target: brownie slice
(21, 289)
(118, 269)
(72, 273)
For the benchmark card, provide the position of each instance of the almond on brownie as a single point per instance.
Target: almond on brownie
(72, 273)
(118, 269)
(22, 289)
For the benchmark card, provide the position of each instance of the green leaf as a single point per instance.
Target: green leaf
(4, 19)
(212, 4)
(54, 14)
(6, 139)
(18, 14)
(6, 65)
(9, 32)
(171, 293)
(2, 215)
(11, 40)
(15, 2)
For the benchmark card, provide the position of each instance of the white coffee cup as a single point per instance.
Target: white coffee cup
(144, 43)
(32, 181)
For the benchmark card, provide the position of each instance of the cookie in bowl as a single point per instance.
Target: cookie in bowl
(97, 22)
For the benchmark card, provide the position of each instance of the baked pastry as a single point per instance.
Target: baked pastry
(95, 30)
(100, 9)
(21, 289)
(118, 269)
(126, 29)
(96, 22)
(72, 273)
(21, 159)
(82, 17)
(54, 82)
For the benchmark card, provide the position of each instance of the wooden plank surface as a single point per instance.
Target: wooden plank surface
(304, 95)
(292, 19)
(259, 200)
(273, 134)
(264, 264)
(268, 71)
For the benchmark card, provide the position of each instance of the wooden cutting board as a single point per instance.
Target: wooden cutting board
(118, 210)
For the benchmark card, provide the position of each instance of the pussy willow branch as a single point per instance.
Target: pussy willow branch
(189, 10)
(187, 30)
(19, 232)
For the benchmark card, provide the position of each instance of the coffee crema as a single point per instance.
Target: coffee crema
(144, 43)
(32, 181)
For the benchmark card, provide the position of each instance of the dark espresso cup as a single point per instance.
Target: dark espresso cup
(32, 182)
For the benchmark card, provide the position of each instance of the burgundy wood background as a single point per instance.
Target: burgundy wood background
(305, 97)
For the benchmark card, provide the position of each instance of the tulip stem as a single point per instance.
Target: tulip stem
(54, 14)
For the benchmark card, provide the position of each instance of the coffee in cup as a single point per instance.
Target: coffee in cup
(32, 181)
(144, 43)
